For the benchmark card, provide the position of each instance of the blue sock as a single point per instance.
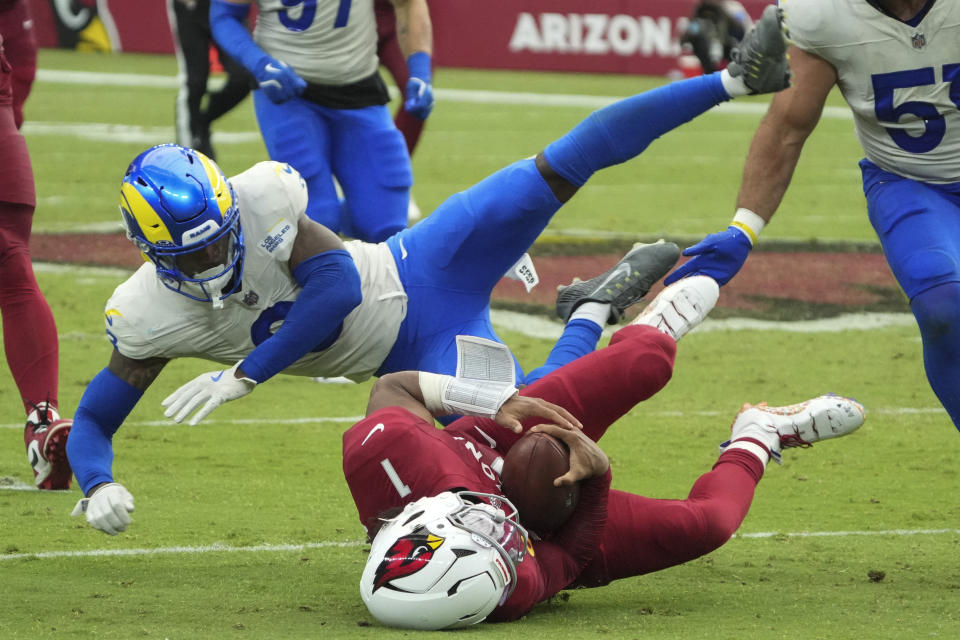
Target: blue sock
(938, 314)
(579, 338)
(622, 130)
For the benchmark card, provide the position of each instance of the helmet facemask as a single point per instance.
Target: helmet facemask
(177, 270)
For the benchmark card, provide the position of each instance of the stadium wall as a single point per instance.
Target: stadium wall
(607, 36)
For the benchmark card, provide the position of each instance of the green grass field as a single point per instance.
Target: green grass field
(244, 527)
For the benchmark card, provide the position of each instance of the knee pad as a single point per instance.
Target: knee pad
(924, 270)
(389, 154)
(937, 311)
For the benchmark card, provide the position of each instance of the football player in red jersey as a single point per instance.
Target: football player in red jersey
(20, 45)
(29, 331)
(449, 551)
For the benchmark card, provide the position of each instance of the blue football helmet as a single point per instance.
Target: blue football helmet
(181, 212)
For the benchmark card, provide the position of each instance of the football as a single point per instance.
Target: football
(529, 470)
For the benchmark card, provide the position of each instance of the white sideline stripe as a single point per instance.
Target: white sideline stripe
(540, 327)
(124, 133)
(212, 548)
(472, 96)
(882, 411)
(237, 422)
(272, 548)
(838, 534)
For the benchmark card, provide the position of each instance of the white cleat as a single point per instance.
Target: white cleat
(797, 425)
(681, 306)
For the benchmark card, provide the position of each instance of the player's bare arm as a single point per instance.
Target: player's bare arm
(776, 146)
(414, 29)
(312, 238)
(401, 389)
(560, 187)
(137, 373)
(413, 391)
(587, 459)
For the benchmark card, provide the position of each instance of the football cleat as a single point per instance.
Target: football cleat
(623, 285)
(761, 57)
(797, 425)
(46, 439)
(681, 306)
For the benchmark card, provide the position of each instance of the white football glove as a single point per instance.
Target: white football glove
(210, 389)
(108, 509)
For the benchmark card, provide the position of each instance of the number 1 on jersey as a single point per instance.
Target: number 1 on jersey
(343, 14)
(401, 488)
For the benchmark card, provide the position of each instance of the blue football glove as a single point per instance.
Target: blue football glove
(719, 255)
(278, 81)
(419, 93)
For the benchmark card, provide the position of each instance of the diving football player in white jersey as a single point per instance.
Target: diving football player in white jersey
(897, 63)
(239, 274)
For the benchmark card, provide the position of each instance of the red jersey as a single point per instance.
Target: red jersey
(394, 457)
(16, 176)
(6, 73)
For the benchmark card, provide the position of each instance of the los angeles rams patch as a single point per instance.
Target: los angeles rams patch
(275, 239)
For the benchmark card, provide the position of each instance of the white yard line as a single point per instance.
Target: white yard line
(471, 96)
(880, 411)
(540, 327)
(273, 548)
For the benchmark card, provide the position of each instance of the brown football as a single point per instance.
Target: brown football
(529, 470)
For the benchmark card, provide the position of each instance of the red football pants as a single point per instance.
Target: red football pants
(646, 534)
(29, 331)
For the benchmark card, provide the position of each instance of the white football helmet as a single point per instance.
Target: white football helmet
(446, 561)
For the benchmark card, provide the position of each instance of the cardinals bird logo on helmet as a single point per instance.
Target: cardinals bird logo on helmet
(408, 555)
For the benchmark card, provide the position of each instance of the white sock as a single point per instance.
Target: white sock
(734, 86)
(596, 312)
(751, 447)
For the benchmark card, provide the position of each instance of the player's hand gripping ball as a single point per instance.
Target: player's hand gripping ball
(529, 469)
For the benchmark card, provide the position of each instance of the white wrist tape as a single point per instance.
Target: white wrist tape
(447, 395)
(748, 222)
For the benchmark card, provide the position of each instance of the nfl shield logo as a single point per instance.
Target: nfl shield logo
(250, 298)
(919, 41)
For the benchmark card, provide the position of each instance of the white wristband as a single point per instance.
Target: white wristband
(447, 395)
(748, 222)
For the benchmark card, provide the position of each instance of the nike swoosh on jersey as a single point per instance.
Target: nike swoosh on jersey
(271, 68)
(377, 428)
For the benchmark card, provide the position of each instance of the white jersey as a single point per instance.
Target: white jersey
(902, 82)
(330, 42)
(146, 319)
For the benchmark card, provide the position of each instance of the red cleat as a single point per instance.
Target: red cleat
(46, 438)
